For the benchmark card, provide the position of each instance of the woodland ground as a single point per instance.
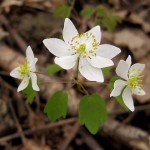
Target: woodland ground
(26, 127)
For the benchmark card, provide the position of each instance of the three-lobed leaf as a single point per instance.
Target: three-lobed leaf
(56, 106)
(92, 112)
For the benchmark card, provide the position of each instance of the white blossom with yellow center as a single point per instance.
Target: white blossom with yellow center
(85, 47)
(26, 71)
(131, 84)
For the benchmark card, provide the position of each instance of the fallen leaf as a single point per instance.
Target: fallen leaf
(137, 42)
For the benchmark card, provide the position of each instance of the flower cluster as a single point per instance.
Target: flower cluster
(85, 51)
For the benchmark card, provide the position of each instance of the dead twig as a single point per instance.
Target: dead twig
(90, 141)
(72, 135)
(17, 39)
(38, 129)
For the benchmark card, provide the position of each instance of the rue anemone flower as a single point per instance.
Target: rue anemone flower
(26, 71)
(82, 48)
(131, 83)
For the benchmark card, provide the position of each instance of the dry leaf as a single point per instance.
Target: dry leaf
(137, 42)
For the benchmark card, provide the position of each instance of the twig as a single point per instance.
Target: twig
(17, 123)
(89, 140)
(38, 129)
(19, 41)
(75, 130)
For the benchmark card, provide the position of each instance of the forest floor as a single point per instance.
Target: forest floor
(26, 127)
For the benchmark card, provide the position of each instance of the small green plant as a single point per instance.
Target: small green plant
(101, 15)
(92, 60)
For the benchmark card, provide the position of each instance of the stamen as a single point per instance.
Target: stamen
(24, 69)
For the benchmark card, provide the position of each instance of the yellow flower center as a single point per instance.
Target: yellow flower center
(80, 43)
(135, 80)
(82, 48)
(24, 69)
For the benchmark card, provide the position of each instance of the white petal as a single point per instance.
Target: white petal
(107, 51)
(118, 87)
(66, 62)
(57, 47)
(100, 62)
(34, 81)
(127, 98)
(128, 60)
(136, 69)
(122, 69)
(89, 72)
(29, 54)
(33, 65)
(138, 91)
(69, 30)
(96, 32)
(24, 83)
(15, 73)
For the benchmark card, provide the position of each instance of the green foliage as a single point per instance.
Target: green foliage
(53, 68)
(63, 10)
(87, 12)
(56, 106)
(102, 15)
(118, 98)
(92, 112)
(111, 21)
(106, 71)
(30, 93)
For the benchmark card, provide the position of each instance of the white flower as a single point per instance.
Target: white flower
(85, 47)
(26, 71)
(132, 81)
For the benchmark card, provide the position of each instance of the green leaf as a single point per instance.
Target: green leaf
(118, 98)
(53, 68)
(100, 11)
(106, 71)
(87, 12)
(63, 11)
(56, 106)
(92, 112)
(30, 93)
(111, 21)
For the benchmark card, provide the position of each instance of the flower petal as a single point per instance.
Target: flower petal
(128, 60)
(69, 30)
(138, 91)
(127, 98)
(15, 73)
(107, 51)
(33, 65)
(96, 32)
(118, 87)
(100, 62)
(122, 69)
(66, 62)
(29, 54)
(136, 69)
(24, 83)
(57, 47)
(89, 72)
(34, 81)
